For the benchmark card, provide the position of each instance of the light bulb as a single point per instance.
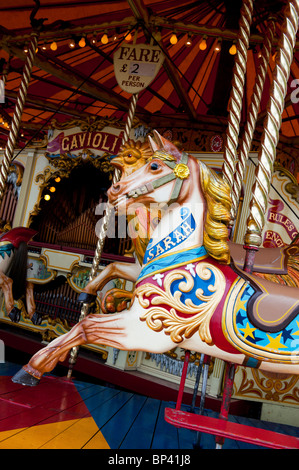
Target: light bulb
(173, 39)
(188, 43)
(47, 197)
(72, 44)
(58, 179)
(82, 42)
(128, 37)
(203, 44)
(52, 189)
(53, 46)
(104, 39)
(233, 50)
(218, 46)
(93, 40)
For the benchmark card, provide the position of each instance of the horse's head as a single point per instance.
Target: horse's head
(171, 175)
(163, 179)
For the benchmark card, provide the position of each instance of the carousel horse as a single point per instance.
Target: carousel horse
(276, 264)
(13, 272)
(188, 292)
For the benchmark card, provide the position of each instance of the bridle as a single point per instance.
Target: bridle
(179, 173)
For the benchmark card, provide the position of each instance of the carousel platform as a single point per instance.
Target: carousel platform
(74, 414)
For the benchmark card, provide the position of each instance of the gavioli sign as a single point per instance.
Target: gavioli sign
(73, 142)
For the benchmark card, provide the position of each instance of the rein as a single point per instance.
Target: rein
(180, 172)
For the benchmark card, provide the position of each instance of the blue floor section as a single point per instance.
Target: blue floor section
(131, 421)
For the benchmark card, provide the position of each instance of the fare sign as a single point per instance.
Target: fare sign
(136, 65)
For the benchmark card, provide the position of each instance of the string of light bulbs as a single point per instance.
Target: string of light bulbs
(103, 38)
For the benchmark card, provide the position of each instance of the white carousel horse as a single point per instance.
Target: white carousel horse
(141, 222)
(188, 292)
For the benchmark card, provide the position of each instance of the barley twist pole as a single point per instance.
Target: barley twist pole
(17, 116)
(104, 227)
(270, 136)
(237, 91)
(245, 144)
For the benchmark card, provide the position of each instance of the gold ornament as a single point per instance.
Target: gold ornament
(181, 171)
(179, 327)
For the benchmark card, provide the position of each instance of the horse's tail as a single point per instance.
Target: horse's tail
(17, 270)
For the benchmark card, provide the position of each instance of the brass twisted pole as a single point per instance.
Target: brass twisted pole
(237, 91)
(245, 144)
(103, 231)
(115, 179)
(270, 136)
(17, 116)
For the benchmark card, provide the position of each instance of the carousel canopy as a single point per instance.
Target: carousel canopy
(73, 74)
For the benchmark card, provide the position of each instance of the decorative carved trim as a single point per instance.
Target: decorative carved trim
(93, 123)
(266, 386)
(292, 187)
(65, 164)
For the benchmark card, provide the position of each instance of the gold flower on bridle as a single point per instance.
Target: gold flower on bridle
(181, 171)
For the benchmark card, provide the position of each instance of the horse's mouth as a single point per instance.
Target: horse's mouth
(118, 202)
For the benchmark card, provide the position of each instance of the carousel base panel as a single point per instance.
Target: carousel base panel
(74, 414)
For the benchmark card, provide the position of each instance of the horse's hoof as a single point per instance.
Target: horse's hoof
(22, 377)
(15, 315)
(36, 319)
(86, 298)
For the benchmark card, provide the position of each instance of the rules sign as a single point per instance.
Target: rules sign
(136, 65)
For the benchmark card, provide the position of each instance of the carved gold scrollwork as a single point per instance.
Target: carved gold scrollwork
(43, 179)
(66, 164)
(92, 123)
(267, 386)
(179, 327)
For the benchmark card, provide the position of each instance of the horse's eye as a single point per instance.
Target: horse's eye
(154, 166)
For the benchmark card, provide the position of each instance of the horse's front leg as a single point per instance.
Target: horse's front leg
(126, 271)
(46, 359)
(94, 329)
(14, 313)
(122, 330)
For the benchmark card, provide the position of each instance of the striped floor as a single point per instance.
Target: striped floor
(61, 414)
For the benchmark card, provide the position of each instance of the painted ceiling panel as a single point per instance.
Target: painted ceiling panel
(82, 79)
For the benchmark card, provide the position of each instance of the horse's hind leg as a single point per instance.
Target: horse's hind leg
(14, 313)
(30, 304)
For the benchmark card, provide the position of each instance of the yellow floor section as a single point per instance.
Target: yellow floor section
(71, 434)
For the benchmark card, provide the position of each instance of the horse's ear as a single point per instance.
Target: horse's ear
(166, 145)
(153, 144)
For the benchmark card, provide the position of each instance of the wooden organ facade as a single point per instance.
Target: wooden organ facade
(66, 218)
(68, 210)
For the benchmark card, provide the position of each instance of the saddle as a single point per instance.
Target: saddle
(273, 306)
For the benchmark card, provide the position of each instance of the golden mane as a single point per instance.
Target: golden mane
(217, 194)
